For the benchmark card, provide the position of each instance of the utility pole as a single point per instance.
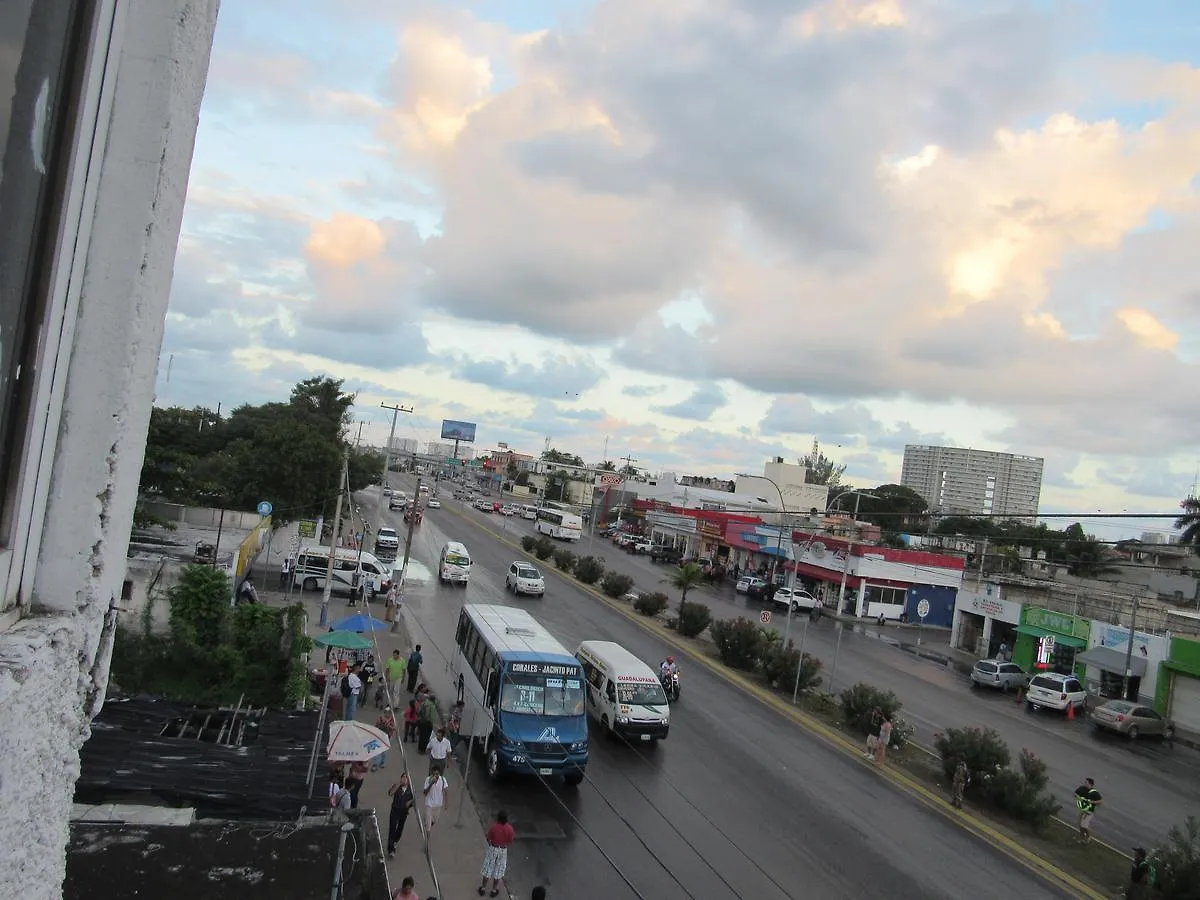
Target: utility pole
(412, 524)
(982, 558)
(387, 451)
(629, 461)
(1129, 652)
(333, 539)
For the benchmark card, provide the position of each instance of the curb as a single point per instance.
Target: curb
(1011, 848)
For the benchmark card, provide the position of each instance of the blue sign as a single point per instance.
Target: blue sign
(264, 508)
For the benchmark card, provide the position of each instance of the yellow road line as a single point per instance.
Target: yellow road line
(934, 801)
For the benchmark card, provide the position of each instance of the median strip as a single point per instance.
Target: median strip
(930, 798)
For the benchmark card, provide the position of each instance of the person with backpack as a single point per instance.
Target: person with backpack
(351, 691)
(414, 667)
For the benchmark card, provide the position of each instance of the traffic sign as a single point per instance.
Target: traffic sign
(765, 617)
(264, 508)
(923, 608)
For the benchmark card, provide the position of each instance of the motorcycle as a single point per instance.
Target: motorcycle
(670, 684)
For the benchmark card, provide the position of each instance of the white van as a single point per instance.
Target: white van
(454, 564)
(312, 564)
(624, 694)
(529, 512)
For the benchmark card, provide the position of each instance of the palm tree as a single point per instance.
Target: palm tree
(683, 579)
(1189, 522)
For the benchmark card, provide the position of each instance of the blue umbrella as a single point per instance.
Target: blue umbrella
(360, 623)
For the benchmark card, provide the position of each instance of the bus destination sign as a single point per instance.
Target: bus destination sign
(530, 668)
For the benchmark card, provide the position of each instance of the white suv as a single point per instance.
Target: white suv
(523, 578)
(1055, 691)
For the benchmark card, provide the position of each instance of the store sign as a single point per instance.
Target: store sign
(991, 607)
(1060, 622)
(1045, 651)
(710, 529)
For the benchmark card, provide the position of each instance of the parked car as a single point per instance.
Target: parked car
(387, 491)
(640, 545)
(484, 505)
(1132, 720)
(764, 591)
(621, 538)
(998, 673)
(746, 582)
(524, 578)
(1054, 691)
(795, 599)
(666, 554)
(433, 503)
(508, 510)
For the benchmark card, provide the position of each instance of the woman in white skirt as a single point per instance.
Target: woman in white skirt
(495, 861)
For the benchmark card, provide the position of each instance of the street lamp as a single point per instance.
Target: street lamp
(858, 495)
(779, 546)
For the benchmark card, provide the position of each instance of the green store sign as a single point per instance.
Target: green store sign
(1059, 623)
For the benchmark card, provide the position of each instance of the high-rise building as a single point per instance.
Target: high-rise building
(405, 445)
(959, 481)
(437, 448)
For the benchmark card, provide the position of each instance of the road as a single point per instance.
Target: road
(737, 802)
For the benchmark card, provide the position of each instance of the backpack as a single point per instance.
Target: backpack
(346, 689)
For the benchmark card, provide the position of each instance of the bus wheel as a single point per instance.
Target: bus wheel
(493, 764)
(573, 779)
(310, 584)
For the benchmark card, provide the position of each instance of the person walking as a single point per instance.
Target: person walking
(1141, 876)
(959, 783)
(1087, 799)
(402, 803)
(352, 687)
(427, 716)
(873, 732)
(354, 780)
(285, 570)
(885, 738)
(387, 724)
(393, 671)
(439, 751)
(407, 890)
(415, 659)
(495, 860)
(412, 715)
(436, 791)
(454, 725)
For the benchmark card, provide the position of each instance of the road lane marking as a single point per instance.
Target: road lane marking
(931, 799)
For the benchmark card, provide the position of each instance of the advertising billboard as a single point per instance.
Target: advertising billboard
(458, 431)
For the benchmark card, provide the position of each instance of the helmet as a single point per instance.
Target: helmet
(670, 659)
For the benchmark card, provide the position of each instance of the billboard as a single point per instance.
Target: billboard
(453, 430)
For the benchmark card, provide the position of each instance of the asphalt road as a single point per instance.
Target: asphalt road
(737, 802)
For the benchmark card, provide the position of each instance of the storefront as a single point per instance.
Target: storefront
(984, 622)
(1050, 641)
(673, 530)
(1106, 660)
(1178, 694)
(712, 541)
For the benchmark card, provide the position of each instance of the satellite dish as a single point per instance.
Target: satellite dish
(817, 549)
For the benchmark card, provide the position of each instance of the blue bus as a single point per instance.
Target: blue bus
(523, 694)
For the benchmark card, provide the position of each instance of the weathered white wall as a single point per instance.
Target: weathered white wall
(53, 664)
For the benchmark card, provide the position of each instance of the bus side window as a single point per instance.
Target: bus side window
(610, 692)
(493, 688)
(462, 629)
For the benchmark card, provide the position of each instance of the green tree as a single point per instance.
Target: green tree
(628, 469)
(1085, 556)
(366, 468)
(522, 478)
(607, 466)
(1189, 521)
(557, 456)
(821, 469)
(894, 507)
(683, 579)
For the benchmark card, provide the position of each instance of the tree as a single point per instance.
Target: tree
(1189, 522)
(365, 468)
(821, 469)
(512, 470)
(683, 579)
(522, 478)
(894, 507)
(565, 459)
(1085, 556)
(607, 466)
(628, 469)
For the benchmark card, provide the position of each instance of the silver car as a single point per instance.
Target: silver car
(998, 673)
(1131, 720)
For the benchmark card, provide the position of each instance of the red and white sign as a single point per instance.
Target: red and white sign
(609, 480)
(765, 617)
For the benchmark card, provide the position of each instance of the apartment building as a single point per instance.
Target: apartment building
(965, 482)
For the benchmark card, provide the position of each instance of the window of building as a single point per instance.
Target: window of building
(886, 595)
(40, 56)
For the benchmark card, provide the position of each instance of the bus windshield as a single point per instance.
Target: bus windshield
(542, 695)
(457, 559)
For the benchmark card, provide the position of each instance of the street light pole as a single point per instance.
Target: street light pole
(779, 551)
(858, 495)
(1129, 652)
(333, 538)
(387, 451)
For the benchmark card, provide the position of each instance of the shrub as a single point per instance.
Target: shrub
(528, 542)
(589, 569)
(650, 604)
(615, 584)
(544, 548)
(693, 619)
(739, 642)
(982, 749)
(1022, 792)
(564, 559)
(778, 665)
(1177, 864)
(861, 703)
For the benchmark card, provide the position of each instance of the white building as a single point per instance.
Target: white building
(666, 489)
(96, 164)
(959, 481)
(442, 451)
(784, 483)
(405, 445)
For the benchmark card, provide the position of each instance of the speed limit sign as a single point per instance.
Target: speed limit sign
(765, 617)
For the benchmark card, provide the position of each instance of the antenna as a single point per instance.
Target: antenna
(628, 460)
(546, 445)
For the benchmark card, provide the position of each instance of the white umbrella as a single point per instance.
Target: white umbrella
(355, 742)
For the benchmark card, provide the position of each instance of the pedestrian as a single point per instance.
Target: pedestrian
(454, 725)
(407, 890)
(393, 671)
(285, 569)
(387, 724)
(437, 791)
(427, 717)
(439, 751)
(1141, 876)
(414, 667)
(885, 738)
(340, 799)
(402, 803)
(961, 777)
(875, 721)
(354, 780)
(411, 721)
(390, 605)
(1087, 798)
(495, 859)
(351, 691)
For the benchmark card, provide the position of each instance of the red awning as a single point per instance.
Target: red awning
(830, 575)
(735, 539)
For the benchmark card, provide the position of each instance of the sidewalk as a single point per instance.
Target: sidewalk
(457, 844)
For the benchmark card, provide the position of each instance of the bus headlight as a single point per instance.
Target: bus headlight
(579, 746)
(622, 720)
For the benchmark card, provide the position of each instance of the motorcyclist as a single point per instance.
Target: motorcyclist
(667, 668)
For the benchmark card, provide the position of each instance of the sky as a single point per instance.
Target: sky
(702, 233)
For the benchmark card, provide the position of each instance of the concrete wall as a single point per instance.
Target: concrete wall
(202, 516)
(144, 82)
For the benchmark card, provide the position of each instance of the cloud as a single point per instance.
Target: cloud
(555, 378)
(642, 390)
(844, 424)
(699, 405)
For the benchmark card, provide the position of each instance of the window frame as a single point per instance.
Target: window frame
(85, 106)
